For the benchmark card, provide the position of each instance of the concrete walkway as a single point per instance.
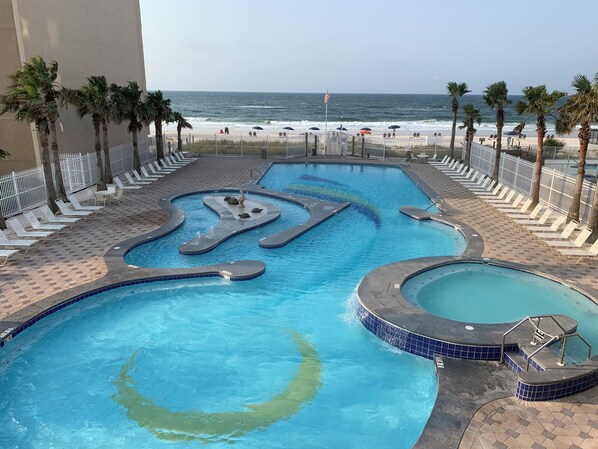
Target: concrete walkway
(76, 258)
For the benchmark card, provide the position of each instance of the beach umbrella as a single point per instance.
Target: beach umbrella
(259, 128)
(364, 131)
(314, 128)
(394, 127)
(288, 128)
(512, 133)
(365, 128)
(341, 128)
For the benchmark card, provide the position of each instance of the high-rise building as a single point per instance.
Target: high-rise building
(85, 37)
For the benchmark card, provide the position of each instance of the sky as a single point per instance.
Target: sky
(378, 46)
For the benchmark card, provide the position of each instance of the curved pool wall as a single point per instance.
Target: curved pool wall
(350, 271)
(408, 327)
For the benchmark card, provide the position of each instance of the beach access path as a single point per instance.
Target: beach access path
(76, 257)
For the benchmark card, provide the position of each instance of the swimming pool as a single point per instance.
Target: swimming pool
(141, 365)
(484, 293)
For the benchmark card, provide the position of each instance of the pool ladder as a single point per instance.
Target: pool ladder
(540, 335)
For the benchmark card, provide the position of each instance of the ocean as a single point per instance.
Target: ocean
(426, 114)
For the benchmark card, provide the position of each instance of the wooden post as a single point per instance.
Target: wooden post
(362, 146)
(306, 143)
(315, 145)
(353, 146)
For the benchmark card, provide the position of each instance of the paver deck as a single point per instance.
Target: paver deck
(76, 258)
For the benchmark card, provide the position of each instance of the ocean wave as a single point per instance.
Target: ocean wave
(258, 107)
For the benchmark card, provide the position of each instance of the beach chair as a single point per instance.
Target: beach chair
(17, 227)
(441, 162)
(6, 254)
(161, 169)
(66, 212)
(571, 226)
(7, 243)
(450, 167)
(577, 243)
(482, 183)
(75, 202)
(118, 197)
(121, 186)
(157, 171)
(173, 161)
(510, 207)
(492, 190)
(181, 157)
(531, 219)
(472, 180)
(37, 226)
(556, 224)
(132, 182)
(140, 178)
(522, 212)
(162, 164)
(581, 253)
(150, 176)
(465, 173)
(505, 194)
(49, 217)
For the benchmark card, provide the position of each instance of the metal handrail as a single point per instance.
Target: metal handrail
(529, 358)
(564, 346)
(527, 318)
(254, 172)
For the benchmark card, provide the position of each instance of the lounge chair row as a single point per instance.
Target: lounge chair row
(567, 239)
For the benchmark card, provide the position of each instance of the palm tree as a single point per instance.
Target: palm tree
(3, 155)
(537, 101)
(580, 109)
(25, 100)
(181, 123)
(90, 100)
(130, 106)
(158, 111)
(455, 91)
(472, 116)
(44, 76)
(495, 96)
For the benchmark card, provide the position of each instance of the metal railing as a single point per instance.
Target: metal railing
(556, 187)
(539, 334)
(20, 191)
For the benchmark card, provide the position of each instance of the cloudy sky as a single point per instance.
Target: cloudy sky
(379, 46)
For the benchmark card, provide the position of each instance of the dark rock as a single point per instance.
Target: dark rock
(256, 210)
(244, 215)
(233, 201)
(226, 198)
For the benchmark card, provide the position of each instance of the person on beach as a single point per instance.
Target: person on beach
(226, 130)
(221, 132)
(393, 133)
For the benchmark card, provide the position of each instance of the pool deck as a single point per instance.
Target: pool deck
(74, 261)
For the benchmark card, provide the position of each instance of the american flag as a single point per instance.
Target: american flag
(326, 98)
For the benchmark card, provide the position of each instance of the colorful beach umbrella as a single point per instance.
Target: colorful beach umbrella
(364, 131)
(365, 128)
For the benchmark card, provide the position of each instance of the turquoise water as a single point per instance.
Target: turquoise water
(478, 293)
(213, 346)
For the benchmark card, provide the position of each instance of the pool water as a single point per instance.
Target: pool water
(480, 293)
(277, 361)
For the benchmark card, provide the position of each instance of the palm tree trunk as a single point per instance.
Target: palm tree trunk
(593, 220)
(453, 131)
(500, 122)
(541, 130)
(179, 140)
(136, 160)
(159, 140)
(584, 140)
(47, 169)
(2, 222)
(100, 182)
(106, 148)
(60, 190)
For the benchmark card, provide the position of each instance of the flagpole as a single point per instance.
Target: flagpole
(326, 126)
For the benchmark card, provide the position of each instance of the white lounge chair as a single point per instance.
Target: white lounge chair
(504, 197)
(36, 225)
(487, 186)
(153, 175)
(65, 211)
(19, 230)
(77, 205)
(571, 226)
(567, 253)
(514, 206)
(490, 192)
(139, 178)
(442, 162)
(172, 161)
(6, 254)
(531, 219)
(523, 211)
(165, 166)
(7, 243)
(160, 169)
(577, 243)
(53, 219)
(556, 224)
(132, 182)
(121, 186)
(157, 171)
